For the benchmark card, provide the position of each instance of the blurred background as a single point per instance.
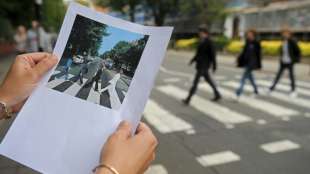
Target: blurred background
(269, 133)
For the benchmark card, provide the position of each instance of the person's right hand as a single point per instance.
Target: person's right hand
(129, 154)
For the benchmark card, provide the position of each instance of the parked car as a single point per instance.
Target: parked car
(78, 59)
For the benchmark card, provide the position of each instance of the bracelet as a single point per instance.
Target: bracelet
(112, 169)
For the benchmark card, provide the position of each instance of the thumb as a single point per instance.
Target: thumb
(45, 65)
(124, 129)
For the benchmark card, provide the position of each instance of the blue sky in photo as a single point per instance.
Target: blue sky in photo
(116, 35)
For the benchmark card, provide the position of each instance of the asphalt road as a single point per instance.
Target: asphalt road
(269, 134)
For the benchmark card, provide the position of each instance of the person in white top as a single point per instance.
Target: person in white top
(290, 54)
(21, 39)
(38, 39)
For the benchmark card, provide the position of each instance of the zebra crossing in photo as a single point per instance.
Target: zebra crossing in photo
(107, 96)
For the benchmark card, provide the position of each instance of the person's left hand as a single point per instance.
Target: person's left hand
(23, 77)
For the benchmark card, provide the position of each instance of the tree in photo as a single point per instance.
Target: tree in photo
(86, 37)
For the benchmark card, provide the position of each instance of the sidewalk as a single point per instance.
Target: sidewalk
(269, 65)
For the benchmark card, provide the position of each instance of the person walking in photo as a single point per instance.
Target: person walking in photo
(21, 39)
(83, 71)
(250, 60)
(289, 55)
(205, 58)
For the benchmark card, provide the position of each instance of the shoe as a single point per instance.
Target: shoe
(216, 98)
(293, 95)
(185, 102)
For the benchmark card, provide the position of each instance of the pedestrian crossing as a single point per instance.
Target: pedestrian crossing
(108, 95)
(213, 110)
(167, 121)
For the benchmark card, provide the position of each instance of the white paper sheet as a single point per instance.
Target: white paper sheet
(58, 133)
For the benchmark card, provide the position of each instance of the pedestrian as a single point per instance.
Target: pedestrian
(97, 76)
(205, 58)
(37, 38)
(249, 59)
(290, 54)
(21, 39)
(83, 71)
(67, 67)
(138, 149)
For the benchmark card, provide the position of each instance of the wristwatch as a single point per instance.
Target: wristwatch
(5, 111)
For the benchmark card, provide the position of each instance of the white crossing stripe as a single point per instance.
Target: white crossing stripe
(93, 96)
(73, 89)
(54, 83)
(280, 146)
(218, 158)
(172, 80)
(283, 87)
(265, 106)
(156, 169)
(299, 83)
(213, 110)
(163, 120)
(277, 95)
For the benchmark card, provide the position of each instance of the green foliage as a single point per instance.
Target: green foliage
(160, 9)
(86, 36)
(53, 14)
(6, 30)
(120, 5)
(209, 11)
(127, 53)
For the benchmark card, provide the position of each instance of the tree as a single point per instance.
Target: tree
(208, 11)
(53, 13)
(160, 9)
(86, 36)
(121, 5)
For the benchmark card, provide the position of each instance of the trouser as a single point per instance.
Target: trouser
(290, 68)
(81, 77)
(247, 75)
(208, 79)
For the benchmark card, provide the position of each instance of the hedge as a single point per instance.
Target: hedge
(270, 48)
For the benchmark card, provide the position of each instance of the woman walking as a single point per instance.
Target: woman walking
(250, 60)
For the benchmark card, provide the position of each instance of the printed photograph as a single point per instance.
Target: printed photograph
(98, 63)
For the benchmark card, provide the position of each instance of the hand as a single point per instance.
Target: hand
(129, 154)
(23, 77)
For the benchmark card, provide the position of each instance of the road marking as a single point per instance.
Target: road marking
(307, 115)
(279, 146)
(163, 120)
(213, 110)
(218, 158)
(284, 87)
(156, 169)
(93, 96)
(299, 83)
(261, 122)
(277, 95)
(54, 83)
(73, 89)
(175, 73)
(265, 106)
(172, 80)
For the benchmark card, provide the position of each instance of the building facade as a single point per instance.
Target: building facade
(268, 20)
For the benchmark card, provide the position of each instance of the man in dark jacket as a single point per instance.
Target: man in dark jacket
(205, 58)
(290, 55)
(250, 60)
